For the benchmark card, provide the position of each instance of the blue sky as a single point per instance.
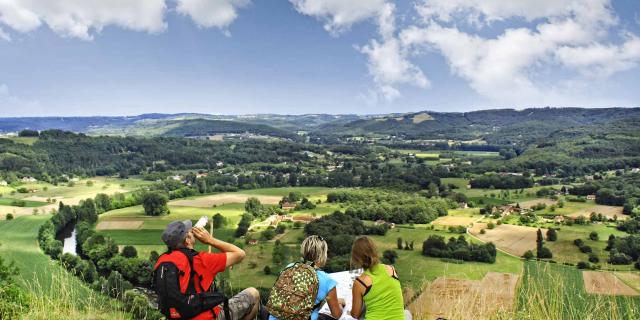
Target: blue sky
(122, 57)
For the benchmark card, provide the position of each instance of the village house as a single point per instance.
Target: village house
(29, 179)
(201, 175)
(288, 206)
(391, 225)
(219, 164)
(507, 210)
(177, 177)
(252, 242)
(3, 183)
(558, 219)
(591, 197)
(463, 205)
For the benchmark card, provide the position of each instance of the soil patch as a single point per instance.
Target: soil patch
(512, 239)
(606, 283)
(467, 299)
(119, 225)
(225, 198)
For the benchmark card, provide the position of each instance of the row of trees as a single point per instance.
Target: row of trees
(459, 249)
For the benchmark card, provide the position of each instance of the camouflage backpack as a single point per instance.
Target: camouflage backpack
(294, 294)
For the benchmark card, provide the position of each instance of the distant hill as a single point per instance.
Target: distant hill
(500, 126)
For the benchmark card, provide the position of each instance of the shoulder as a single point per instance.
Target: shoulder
(211, 258)
(365, 278)
(325, 278)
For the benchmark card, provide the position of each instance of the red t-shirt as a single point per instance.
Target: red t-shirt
(206, 265)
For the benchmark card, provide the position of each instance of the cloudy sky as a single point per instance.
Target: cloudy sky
(123, 57)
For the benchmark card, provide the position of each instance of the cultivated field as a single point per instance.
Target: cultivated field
(454, 221)
(608, 211)
(630, 278)
(467, 299)
(530, 203)
(606, 283)
(119, 225)
(224, 198)
(510, 238)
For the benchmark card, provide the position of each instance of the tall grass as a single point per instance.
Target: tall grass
(61, 298)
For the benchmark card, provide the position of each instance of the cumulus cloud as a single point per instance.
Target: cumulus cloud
(208, 13)
(4, 36)
(80, 18)
(507, 68)
(339, 15)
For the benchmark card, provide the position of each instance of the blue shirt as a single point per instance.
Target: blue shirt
(325, 284)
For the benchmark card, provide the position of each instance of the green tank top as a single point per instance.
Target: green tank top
(384, 299)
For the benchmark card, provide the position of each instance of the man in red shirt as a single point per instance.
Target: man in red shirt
(180, 235)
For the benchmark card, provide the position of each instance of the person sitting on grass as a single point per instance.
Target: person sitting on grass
(378, 288)
(197, 272)
(314, 252)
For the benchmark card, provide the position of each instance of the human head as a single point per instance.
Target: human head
(364, 253)
(178, 235)
(314, 249)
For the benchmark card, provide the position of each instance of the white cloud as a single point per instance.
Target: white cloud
(516, 65)
(208, 13)
(340, 15)
(80, 18)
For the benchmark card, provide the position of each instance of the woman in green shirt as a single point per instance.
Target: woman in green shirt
(378, 288)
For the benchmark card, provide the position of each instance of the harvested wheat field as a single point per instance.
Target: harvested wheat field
(219, 199)
(454, 221)
(630, 278)
(608, 211)
(606, 283)
(512, 239)
(467, 299)
(119, 225)
(531, 203)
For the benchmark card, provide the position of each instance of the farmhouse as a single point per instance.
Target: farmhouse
(558, 219)
(3, 183)
(591, 197)
(201, 175)
(29, 179)
(288, 206)
(463, 205)
(391, 225)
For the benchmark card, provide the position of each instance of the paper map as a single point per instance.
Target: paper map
(345, 284)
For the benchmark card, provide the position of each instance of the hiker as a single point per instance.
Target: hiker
(301, 288)
(378, 289)
(196, 296)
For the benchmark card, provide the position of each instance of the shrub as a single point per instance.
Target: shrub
(585, 249)
(129, 252)
(593, 236)
(491, 225)
(483, 231)
(528, 255)
(583, 265)
(593, 258)
(544, 253)
(552, 235)
(578, 242)
(9, 216)
(267, 270)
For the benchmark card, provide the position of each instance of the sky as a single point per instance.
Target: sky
(123, 57)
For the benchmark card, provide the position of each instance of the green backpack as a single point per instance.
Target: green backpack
(294, 294)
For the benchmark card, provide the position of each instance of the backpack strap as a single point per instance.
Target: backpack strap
(190, 253)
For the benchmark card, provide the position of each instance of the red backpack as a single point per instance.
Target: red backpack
(172, 301)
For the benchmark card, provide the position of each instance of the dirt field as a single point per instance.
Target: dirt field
(609, 211)
(454, 221)
(531, 203)
(467, 299)
(606, 283)
(513, 239)
(218, 199)
(632, 279)
(119, 225)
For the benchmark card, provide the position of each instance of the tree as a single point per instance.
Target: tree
(539, 241)
(545, 253)
(218, 221)
(129, 252)
(243, 225)
(399, 243)
(253, 206)
(593, 236)
(154, 203)
(528, 255)
(389, 257)
(267, 270)
(552, 235)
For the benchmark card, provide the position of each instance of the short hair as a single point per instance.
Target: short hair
(314, 249)
(364, 253)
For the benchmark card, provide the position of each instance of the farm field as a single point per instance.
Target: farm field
(220, 199)
(552, 291)
(467, 299)
(606, 283)
(513, 239)
(27, 202)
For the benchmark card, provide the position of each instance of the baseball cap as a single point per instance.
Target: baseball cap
(175, 233)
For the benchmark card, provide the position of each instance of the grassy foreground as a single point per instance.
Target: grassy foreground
(53, 292)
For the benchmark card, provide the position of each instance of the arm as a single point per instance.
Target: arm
(234, 254)
(356, 304)
(335, 305)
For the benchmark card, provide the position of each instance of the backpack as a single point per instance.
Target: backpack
(294, 294)
(174, 304)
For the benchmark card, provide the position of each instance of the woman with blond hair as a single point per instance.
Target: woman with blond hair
(378, 288)
(314, 252)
